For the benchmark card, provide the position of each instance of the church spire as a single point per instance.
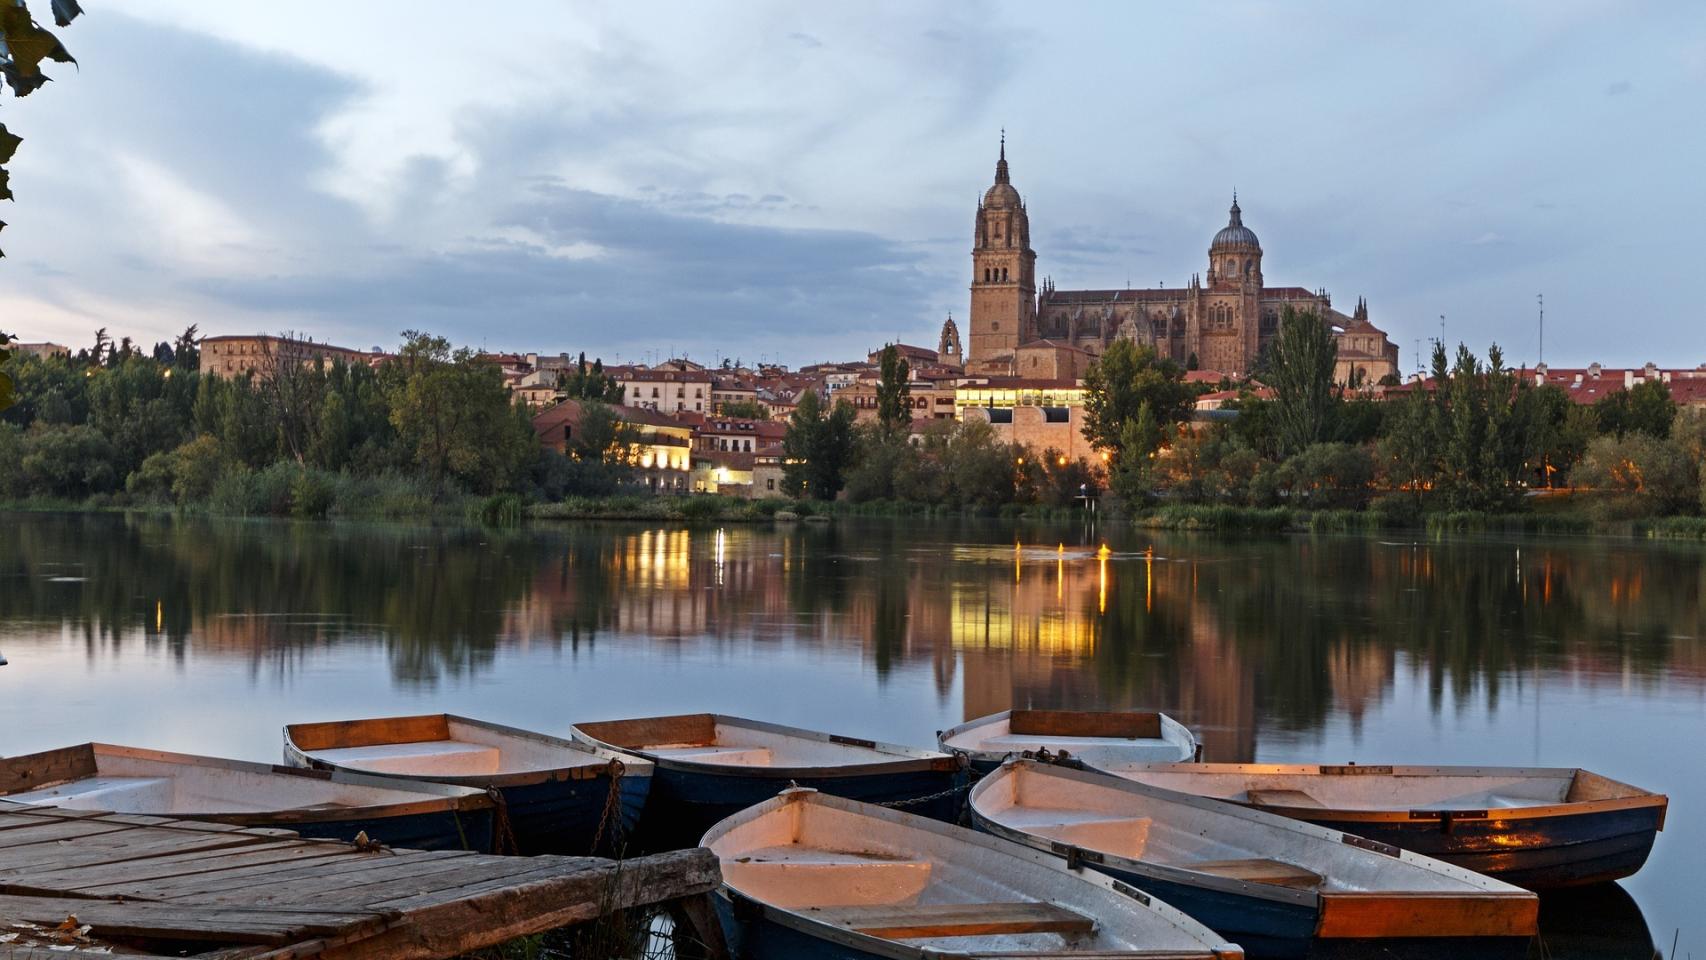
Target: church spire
(1001, 164)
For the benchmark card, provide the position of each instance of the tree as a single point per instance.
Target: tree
(7, 388)
(590, 383)
(1644, 408)
(1126, 377)
(186, 350)
(1655, 475)
(894, 393)
(817, 449)
(454, 416)
(1301, 375)
(744, 410)
(24, 44)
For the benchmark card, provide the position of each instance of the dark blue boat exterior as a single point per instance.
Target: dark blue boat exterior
(444, 830)
(686, 803)
(1262, 926)
(564, 816)
(1538, 853)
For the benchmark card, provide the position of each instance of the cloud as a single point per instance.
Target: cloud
(1618, 88)
(1487, 239)
(805, 40)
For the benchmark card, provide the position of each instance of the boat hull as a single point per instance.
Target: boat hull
(564, 816)
(687, 802)
(1538, 853)
(446, 830)
(753, 935)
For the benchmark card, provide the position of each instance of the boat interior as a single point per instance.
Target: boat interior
(1135, 735)
(889, 880)
(1228, 842)
(1372, 788)
(435, 746)
(122, 780)
(707, 738)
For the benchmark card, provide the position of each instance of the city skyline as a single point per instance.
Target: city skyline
(798, 185)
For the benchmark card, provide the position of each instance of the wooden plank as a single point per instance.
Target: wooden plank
(1257, 870)
(34, 770)
(241, 886)
(49, 831)
(368, 733)
(699, 916)
(180, 922)
(438, 884)
(697, 729)
(160, 869)
(118, 848)
(1116, 725)
(1284, 798)
(917, 921)
(472, 923)
(1428, 915)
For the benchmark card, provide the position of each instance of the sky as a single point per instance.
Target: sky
(798, 182)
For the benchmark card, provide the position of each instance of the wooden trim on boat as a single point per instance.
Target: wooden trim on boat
(637, 736)
(35, 771)
(1109, 725)
(1378, 915)
(431, 727)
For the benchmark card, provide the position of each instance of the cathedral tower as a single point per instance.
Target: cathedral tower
(948, 349)
(1231, 321)
(1003, 282)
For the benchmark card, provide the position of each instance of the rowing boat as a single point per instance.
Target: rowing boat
(1279, 887)
(710, 766)
(113, 779)
(1538, 828)
(808, 875)
(1123, 736)
(555, 795)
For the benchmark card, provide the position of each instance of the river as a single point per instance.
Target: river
(207, 636)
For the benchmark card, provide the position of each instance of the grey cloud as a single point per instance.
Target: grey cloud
(805, 40)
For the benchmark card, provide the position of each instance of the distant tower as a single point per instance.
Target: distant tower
(1231, 326)
(1003, 282)
(948, 349)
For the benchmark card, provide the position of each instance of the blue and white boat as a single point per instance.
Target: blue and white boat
(554, 795)
(1538, 828)
(332, 806)
(808, 876)
(1279, 887)
(710, 766)
(1114, 736)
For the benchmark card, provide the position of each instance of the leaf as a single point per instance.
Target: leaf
(5, 178)
(65, 11)
(8, 143)
(28, 44)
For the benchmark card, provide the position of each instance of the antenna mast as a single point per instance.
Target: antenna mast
(1541, 299)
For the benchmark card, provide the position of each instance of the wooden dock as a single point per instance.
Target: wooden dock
(148, 886)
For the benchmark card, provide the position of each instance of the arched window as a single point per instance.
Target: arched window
(1249, 268)
(1231, 266)
(1003, 274)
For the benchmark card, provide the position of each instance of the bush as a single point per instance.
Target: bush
(498, 510)
(311, 494)
(705, 507)
(1396, 510)
(1654, 476)
(68, 462)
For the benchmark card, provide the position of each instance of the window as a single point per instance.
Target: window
(654, 393)
(1003, 274)
(698, 406)
(770, 483)
(995, 325)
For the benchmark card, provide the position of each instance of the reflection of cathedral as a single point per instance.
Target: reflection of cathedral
(1223, 319)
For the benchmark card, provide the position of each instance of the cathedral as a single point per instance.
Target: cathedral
(1222, 318)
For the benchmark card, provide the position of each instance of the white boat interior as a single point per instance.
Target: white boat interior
(1377, 788)
(731, 742)
(859, 869)
(437, 746)
(127, 780)
(1139, 822)
(1115, 737)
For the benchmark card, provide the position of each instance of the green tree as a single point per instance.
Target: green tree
(1656, 476)
(1125, 378)
(1133, 470)
(744, 410)
(894, 391)
(69, 461)
(1301, 375)
(590, 383)
(454, 416)
(7, 389)
(1644, 408)
(818, 448)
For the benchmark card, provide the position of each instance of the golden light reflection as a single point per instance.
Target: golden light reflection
(1102, 579)
(159, 616)
(1148, 579)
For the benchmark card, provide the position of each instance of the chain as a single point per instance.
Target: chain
(972, 777)
(612, 807)
(503, 834)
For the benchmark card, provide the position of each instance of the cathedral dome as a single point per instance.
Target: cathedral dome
(1235, 236)
(1002, 193)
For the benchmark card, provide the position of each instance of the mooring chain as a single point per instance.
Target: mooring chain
(612, 806)
(503, 834)
(972, 777)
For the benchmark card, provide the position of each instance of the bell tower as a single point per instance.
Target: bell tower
(1004, 267)
(948, 349)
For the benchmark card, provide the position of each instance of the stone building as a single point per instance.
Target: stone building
(1223, 318)
(260, 355)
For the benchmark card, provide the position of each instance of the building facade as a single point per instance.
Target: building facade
(1222, 318)
(261, 355)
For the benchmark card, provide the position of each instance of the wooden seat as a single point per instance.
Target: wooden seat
(1284, 798)
(921, 921)
(1276, 872)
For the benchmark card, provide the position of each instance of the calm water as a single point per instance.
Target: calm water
(209, 636)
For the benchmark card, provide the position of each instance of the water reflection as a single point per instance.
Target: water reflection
(1558, 652)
